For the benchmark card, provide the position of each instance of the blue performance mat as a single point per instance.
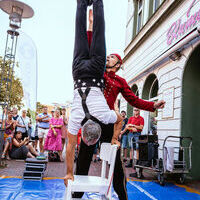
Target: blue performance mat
(54, 189)
(154, 191)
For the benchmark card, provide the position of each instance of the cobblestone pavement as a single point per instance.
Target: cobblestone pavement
(58, 169)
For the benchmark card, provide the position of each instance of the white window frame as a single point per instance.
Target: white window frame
(140, 11)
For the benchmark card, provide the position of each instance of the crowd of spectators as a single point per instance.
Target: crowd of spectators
(21, 138)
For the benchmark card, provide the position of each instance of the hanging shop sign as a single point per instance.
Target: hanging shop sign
(179, 28)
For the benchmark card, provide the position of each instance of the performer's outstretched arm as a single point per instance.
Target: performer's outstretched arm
(135, 101)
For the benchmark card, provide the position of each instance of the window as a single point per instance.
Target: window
(139, 15)
(156, 4)
(130, 22)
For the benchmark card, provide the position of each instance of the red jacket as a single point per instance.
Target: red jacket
(114, 85)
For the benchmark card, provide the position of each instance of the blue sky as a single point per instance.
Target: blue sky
(52, 30)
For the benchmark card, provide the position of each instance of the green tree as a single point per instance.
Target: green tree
(13, 95)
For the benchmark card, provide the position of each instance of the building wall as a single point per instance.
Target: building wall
(145, 49)
(156, 43)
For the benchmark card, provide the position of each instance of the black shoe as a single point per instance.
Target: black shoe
(90, 2)
(95, 160)
(129, 165)
(133, 175)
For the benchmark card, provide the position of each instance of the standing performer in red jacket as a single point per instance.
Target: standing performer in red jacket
(114, 85)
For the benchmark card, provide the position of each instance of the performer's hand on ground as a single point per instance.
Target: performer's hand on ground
(68, 177)
(159, 104)
(115, 141)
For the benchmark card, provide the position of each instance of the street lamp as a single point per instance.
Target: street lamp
(17, 11)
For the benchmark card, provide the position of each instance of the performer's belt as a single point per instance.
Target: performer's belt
(85, 108)
(89, 83)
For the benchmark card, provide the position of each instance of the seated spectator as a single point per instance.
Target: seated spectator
(53, 141)
(10, 128)
(21, 149)
(9, 125)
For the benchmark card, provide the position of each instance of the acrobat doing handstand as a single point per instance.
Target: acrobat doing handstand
(89, 104)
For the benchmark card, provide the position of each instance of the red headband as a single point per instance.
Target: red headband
(119, 57)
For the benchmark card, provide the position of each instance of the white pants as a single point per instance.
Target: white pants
(97, 107)
(42, 133)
